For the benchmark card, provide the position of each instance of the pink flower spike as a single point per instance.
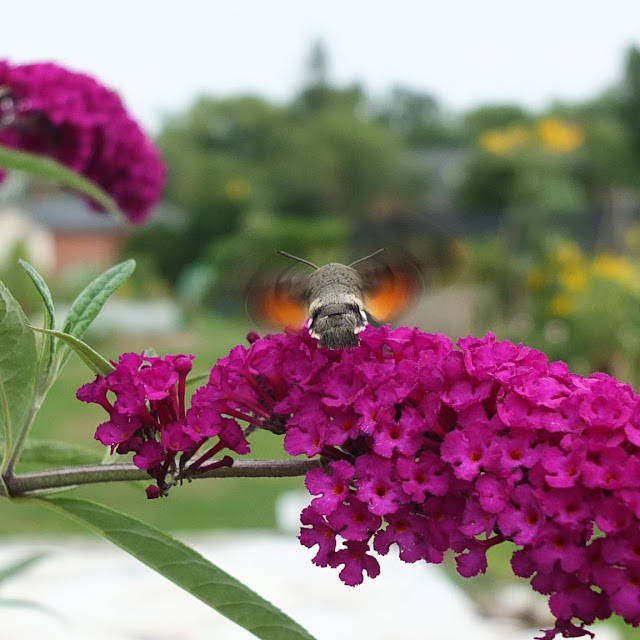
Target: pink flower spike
(425, 446)
(72, 118)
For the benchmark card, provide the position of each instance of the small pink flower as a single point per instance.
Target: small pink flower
(356, 562)
(332, 486)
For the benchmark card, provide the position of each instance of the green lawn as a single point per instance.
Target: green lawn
(204, 504)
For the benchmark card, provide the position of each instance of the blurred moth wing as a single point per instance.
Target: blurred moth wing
(390, 289)
(279, 302)
(280, 310)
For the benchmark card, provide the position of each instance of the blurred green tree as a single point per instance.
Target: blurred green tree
(499, 116)
(418, 119)
(630, 100)
(326, 154)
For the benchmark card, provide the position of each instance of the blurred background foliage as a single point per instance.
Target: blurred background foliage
(497, 198)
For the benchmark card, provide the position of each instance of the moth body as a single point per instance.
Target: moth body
(336, 309)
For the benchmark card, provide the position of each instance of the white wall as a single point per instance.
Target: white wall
(15, 228)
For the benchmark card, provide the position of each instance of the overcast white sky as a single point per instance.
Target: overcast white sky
(161, 54)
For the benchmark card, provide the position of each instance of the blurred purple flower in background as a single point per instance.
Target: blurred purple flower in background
(70, 117)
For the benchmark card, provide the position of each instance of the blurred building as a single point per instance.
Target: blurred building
(58, 232)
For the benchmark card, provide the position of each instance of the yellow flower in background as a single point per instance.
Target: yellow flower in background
(500, 142)
(615, 268)
(573, 280)
(536, 279)
(561, 306)
(559, 136)
(553, 134)
(237, 190)
(569, 254)
(494, 141)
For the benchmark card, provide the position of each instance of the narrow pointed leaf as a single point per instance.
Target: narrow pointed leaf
(48, 168)
(88, 355)
(48, 346)
(20, 566)
(90, 302)
(183, 566)
(18, 363)
(31, 606)
(45, 294)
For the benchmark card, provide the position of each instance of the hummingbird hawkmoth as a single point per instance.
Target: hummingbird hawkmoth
(337, 301)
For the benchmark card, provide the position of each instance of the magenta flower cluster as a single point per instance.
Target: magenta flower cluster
(46, 109)
(432, 447)
(145, 399)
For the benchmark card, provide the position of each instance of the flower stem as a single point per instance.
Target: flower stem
(25, 484)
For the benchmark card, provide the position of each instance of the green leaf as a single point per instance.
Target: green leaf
(46, 374)
(90, 302)
(20, 566)
(31, 606)
(48, 168)
(26, 604)
(57, 453)
(45, 294)
(200, 377)
(88, 355)
(16, 569)
(183, 566)
(18, 363)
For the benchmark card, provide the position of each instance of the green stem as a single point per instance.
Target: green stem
(6, 421)
(26, 484)
(15, 448)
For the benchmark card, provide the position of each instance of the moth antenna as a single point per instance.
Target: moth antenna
(292, 257)
(371, 255)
